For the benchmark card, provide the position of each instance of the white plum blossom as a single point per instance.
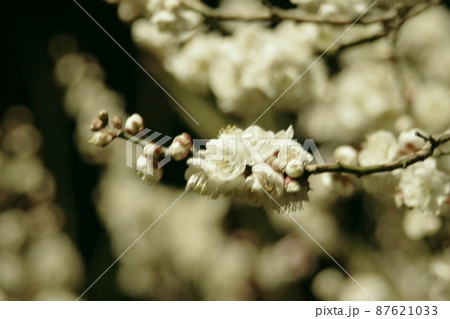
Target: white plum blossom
(248, 166)
(292, 155)
(409, 142)
(423, 187)
(294, 169)
(363, 97)
(431, 107)
(379, 148)
(342, 184)
(346, 154)
(145, 166)
(164, 25)
(417, 225)
(244, 85)
(268, 179)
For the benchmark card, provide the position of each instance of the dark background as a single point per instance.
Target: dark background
(27, 79)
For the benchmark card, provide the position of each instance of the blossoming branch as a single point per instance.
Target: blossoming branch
(263, 168)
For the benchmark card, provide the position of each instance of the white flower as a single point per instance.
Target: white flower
(294, 170)
(134, 124)
(292, 186)
(291, 151)
(198, 181)
(364, 96)
(147, 169)
(224, 159)
(271, 181)
(165, 20)
(213, 186)
(416, 225)
(144, 164)
(379, 148)
(101, 138)
(431, 106)
(242, 164)
(346, 154)
(423, 187)
(409, 142)
(234, 149)
(222, 171)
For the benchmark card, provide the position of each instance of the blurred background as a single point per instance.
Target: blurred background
(68, 209)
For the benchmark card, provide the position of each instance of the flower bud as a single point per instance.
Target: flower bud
(101, 138)
(155, 177)
(274, 161)
(153, 150)
(346, 154)
(103, 116)
(180, 147)
(144, 164)
(96, 125)
(117, 122)
(134, 124)
(291, 186)
(294, 170)
(409, 142)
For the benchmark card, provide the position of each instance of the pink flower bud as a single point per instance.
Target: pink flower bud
(409, 142)
(294, 170)
(96, 125)
(103, 116)
(180, 147)
(134, 124)
(153, 150)
(117, 122)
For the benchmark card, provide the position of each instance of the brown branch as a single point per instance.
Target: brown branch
(403, 162)
(274, 14)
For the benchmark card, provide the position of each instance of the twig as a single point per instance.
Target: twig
(421, 155)
(274, 14)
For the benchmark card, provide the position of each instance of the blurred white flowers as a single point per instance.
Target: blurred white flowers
(38, 261)
(423, 188)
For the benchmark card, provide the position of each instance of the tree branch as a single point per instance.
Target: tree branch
(274, 14)
(403, 162)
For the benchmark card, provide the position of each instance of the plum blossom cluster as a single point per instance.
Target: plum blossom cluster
(220, 58)
(160, 25)
(254, 166)
(263, 168)
(422, 187)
